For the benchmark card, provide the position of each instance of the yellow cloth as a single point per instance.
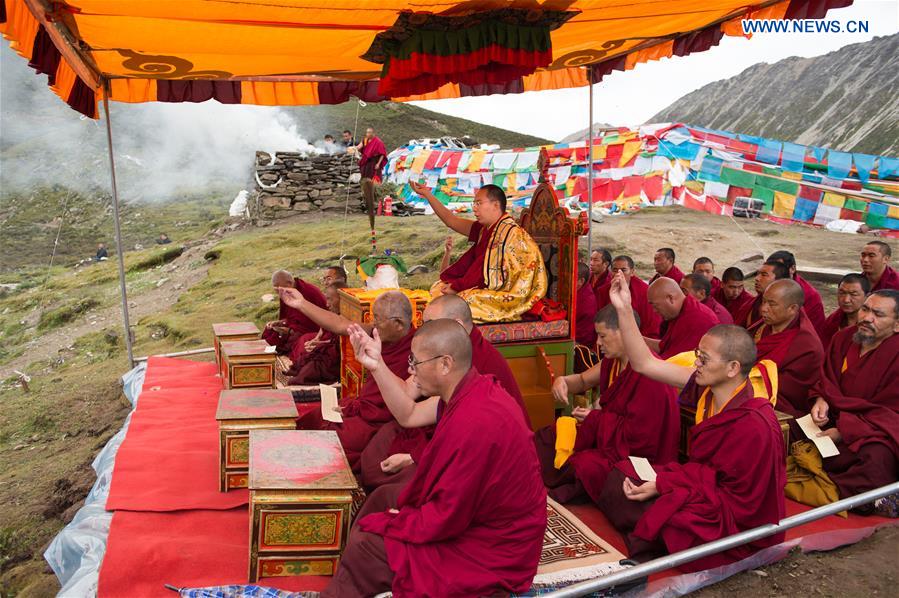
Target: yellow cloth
(418, 164)
(784, 204)
(566, 432)
(514, 276)
(807, 482)
(758, 380)
(685, 359)
(474, 163)
(832, 199)
(631, 149)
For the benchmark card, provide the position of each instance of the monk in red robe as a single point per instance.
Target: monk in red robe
(291, 324)
(724, 488)
(584, 333)
(857, 401)
(636, 416)
(749, 315)
(392, 454)
(698, 287)
(785, 336)
(471, 522)
(364, 414)
(705, 267)
(875, 263)
(650, 322)
(851, 295)
(663, 261)
(600, 269)
(732, 293)
(685, 318)
(813, 307)
(319, 360)
(372, 158)
(503, 274)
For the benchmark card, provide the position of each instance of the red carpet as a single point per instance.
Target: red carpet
(172, 526)
(169, 459)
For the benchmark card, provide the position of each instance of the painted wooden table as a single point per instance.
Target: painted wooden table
(301, 502)
(240, 411)
(231, 331)
(248, 364)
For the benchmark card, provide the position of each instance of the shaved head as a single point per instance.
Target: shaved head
(282, 278)
(443, 337)
(788, 290)
(735, 345)
(394, 305)
(450, 307)
(666, 297)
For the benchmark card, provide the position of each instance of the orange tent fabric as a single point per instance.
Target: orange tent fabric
(295, 52)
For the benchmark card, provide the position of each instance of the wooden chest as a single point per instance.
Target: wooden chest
(248, 364)
(231, 331)
(688, 420)
(240, 411)
(355, 305)
(301, 501)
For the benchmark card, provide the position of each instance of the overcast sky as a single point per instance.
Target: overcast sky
(633, 97)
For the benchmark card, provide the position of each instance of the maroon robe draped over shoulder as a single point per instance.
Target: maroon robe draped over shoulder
(724, 488)
(637, 416)
(684, 331)
(720, 311)
(365, 414)
(373, 152)
(298, 322)
(471, 521)
(674, 273)
(584, 330)
(798, 353)
(888, 280)
(749, 315)
(322, 365)
(735, 305)
(393, 439)
(863, 395)
(650, 322)
(835, 322)
(813, 307)
(467, 272)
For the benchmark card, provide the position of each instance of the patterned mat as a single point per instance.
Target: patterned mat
(572, 551)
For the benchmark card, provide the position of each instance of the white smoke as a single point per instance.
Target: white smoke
(161, 150)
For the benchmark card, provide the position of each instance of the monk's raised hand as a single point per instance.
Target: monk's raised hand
(560, 390)
(396, 463)
(366, 348)
(620, 292)
(820, 412)
(420, 189)
(291, 297)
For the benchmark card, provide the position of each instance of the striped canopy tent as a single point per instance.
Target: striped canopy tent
(308, 52)
(304, 52)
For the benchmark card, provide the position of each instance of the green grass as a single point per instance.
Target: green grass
(60, 316)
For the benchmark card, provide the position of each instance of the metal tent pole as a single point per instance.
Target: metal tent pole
(118, 229)
(590, 166)
(691, 554)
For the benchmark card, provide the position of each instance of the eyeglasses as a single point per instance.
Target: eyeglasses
(414, 364)
(703, 359)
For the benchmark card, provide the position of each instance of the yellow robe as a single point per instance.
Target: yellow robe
(514, 276)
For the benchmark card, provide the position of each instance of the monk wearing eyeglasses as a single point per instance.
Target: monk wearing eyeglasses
(735, 474)
(472, 519)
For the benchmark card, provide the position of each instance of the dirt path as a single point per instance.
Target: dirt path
(178, 275)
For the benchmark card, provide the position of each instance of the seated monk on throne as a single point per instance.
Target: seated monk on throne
(503, 275)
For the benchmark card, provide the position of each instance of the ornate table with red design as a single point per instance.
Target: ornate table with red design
(301, 499)
(240, 411)
(248, 364)
(231, 331)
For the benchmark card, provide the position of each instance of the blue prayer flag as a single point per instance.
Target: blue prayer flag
(838, 164)
(888, 167)
(864, 164)
(805, 209)
(769, 151)
(793, 156)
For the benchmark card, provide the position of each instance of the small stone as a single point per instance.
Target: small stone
(160, 282)
(760, 573)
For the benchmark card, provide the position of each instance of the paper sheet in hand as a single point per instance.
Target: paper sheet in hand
(329, 404)
(271, 349)
(825, 445)
(643, 468)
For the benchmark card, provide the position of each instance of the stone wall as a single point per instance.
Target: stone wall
(296, 184)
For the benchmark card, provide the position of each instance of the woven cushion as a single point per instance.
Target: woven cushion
(524, 331)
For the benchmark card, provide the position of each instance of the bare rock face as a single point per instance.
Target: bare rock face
(292, 183)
